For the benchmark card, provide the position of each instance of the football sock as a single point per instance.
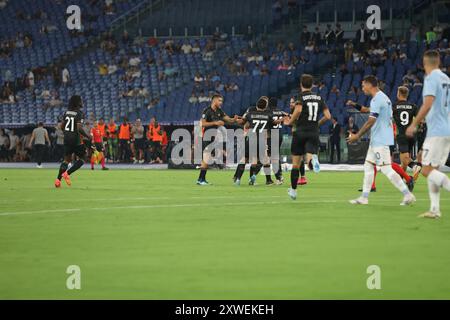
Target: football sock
(435, 193)
(92, 162)
(267, 172)
(302, 168)
(294, 177)
(375, 172)
(202, 175)
(395, 179)
(239, 171)
(439, 179)
(62, 169)
(103, 162)
(369, 178)
(77, 165)
(257, 169)
(397, 168)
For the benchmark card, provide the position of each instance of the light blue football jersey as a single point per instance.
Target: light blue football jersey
(382, 133)
(437, 84)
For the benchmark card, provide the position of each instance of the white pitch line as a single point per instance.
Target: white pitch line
(184, 205)
(133, 198)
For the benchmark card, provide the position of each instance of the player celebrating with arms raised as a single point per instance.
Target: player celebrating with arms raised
(305, 134)
(73, 129)
(436, 148)
(381, 138)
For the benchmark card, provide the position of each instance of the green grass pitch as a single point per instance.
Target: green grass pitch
(144, 234)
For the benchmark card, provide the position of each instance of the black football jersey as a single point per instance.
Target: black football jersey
(312, 107)
(404, 113)
(211, 115)
(259, 120)
(277, 115)
(71, 119)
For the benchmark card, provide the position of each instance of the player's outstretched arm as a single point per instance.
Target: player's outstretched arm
(359, 107)
(424, 110)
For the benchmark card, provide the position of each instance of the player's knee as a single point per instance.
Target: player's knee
(368, 167)
(387, 171)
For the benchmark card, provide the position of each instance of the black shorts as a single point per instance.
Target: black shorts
(74, 148)
(99, 146)
(305, 142)
(269, 145)
(420, 142)
(139, 144)
(261, 147)
(405, 144)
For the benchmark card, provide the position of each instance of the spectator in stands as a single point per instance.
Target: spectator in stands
(65, 77)
(108, 9)
(56, 73)
(438, 31)
(351, 128)
(7, 94)
(310, 47)
(335, 140)
(339, 35)
(30, 79)
(413, 33)
(193, 99)
(306, 35)
(361, 38)
(3, 3)
(329, 36)
(186, 47)
(4, 144)
(348, 51)
(170, 71)
(431, 36)
(198, 78)
(317, 36)
(40, 139)
(375, 36)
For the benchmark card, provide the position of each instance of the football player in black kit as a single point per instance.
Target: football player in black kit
(72, 126)
(404, 113)
(258, 121)
(276, 130)
(305, 123)
(213, 117)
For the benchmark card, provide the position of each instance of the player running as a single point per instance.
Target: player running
(98, 148)
(404, 113)
(381, 138)
(305, 132)
(213, 117)
(436, 148)
(72, 126)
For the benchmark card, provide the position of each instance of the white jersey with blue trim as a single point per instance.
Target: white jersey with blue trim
(382, 133)
(437, 84)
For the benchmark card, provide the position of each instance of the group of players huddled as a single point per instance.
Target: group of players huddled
(307, 113)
